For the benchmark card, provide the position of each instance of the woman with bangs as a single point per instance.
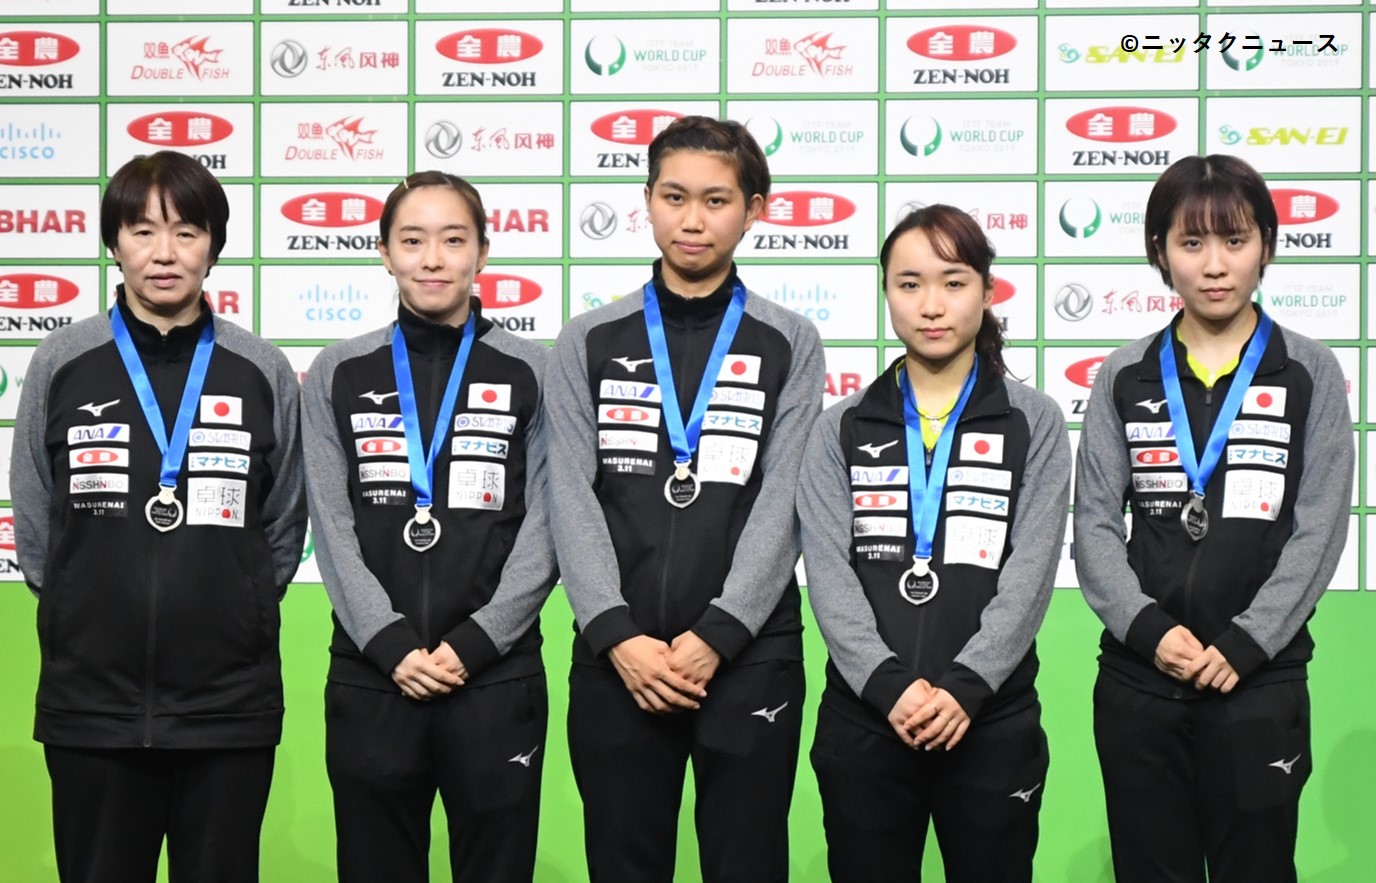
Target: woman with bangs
(1229, 435)
(933, 509)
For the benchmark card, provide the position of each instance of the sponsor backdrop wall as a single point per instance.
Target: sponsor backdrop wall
(1047, 121)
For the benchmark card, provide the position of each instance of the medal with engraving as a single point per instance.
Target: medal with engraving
(919, 583)
(1198, 470)
(164, 510)
(682, 486)
(422, 531)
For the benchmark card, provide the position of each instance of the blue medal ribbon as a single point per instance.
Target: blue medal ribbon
(423, 470)
(683, 438)
(1200, 470)
(924, 492)
(173, 450)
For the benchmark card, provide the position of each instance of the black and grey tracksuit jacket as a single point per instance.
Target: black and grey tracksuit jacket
(481, 587)
(1278, 508)
(723, 567)
(997, 542)
(149, 639)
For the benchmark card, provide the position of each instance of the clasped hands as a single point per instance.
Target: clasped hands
(666, 677)
(928, 717)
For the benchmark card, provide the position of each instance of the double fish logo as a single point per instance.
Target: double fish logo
(1075, 207)
(912, 147)
(604, 69)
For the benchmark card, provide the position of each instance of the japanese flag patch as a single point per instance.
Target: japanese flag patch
(984, 447)
(490, 396)
(1269, 400)
(222, 409)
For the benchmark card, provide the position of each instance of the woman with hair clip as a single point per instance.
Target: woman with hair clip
(933, 506)
(426, 487)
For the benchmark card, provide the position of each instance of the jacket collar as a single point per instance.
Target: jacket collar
(150, 341)
(428, 338)
(693, 310)
(1275, 357)
(883, 400)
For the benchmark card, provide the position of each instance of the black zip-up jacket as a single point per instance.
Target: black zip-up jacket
(481, 586)
(634, 564)
(998, 539)
(1278, 508)
(165, 640)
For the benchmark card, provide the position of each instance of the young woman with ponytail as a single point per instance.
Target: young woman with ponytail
(933, 506)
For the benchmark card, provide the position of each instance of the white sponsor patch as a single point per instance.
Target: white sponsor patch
(1268, 400)
(1147, 482)
(477, 446)
(879, 526)
(979, 476)
(221, 438)
(872, 475)
(986, 447)
(630, 390)
(730, 421)
(222, 409)
(628, 415)
(110, 433)
(737, 398)
(217, 461)
(93, 458)
(1252, 493)
(627, 440)
(216, 501)
(492, 396)
(476, 485)
(740, 369)
(485, 423)
(863, 501)
(1266, 430)
(1148, 458)
(371, 421)
(1149, 432)
(973, 501)
(726, 458)
(1258, 455)
(100, 483)
(368, 472)
(380, 446)
(977, 541)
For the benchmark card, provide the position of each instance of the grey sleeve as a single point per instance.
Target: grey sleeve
(31, 470)
(587, 558)
(1010, 621)
(284, 510)
(1322, 506)
(530, 570)
(1102, 475)
(360, 602)
(838, 600)
(767, 549)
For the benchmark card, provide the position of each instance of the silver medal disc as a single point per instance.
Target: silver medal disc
(1194, 517)
(682, 487)
(422, 532)
(164, 510)
(919, 583)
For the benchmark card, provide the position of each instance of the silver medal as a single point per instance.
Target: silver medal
(1195, 518)
(919, 583)
(422, 532)
(682, 487)
(164, 511)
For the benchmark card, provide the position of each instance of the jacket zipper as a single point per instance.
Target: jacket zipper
(1194, 555)
(435, 386)
(681, 375)
(148, 683)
